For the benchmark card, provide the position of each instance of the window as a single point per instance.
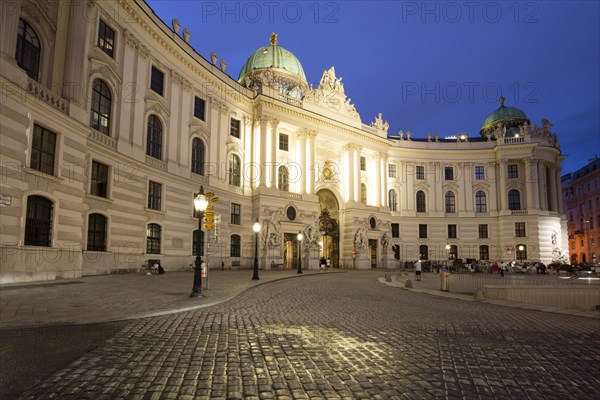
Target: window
(153, 234)
(392, 172)
(420, 173)
(395, 230)
(393, 200)
(448, 173)
(363, 193)
(154, 195)
(99, 184)
(513, 171)
(236, 214)
(38, 221)
(43, 150)
(106, 39)
(28, 50)
(195, 242)
(422, 231)
(101, 104)
(96, 236)
(484, 252)
(514, 199)
(483, 231)
(452, 231)
(234, 128)
(283, 142)
(199, 107)
(450, 202)
(234, 170)
(283, 179)
(154, 137)
(423, 252)
(291, 213)
(197, 156)
(421, 206)
(479, 173)
(363, 164)
(520, 229)
(480, 201)
(157, 80)
(235, 246)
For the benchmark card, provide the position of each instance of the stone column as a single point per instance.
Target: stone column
(409, 193)
(552, 203)
(301, 154)
(493, 196)
(272, 138)
(377, 180)
(503, 194)
(384, 179)
(529, 183)
(248, 171)
(535, 184)
(76, 53)
(263, 151)
(542, 185)
(310, 162)
(349, 170)
(559, 190)
(357, 173)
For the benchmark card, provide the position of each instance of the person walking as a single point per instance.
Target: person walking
(418, 269)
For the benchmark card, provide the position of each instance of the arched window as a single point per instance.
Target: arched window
(393, 200)
(154, 137)
(423, 252)
(96, 237)
(153, 235)
(234, 170)
(363, 193)
(195, 243)
(236, 241)
(197, 156)
(28, 50)
(450, 201)
(484, 252)
(38, 221)
(101, 105)
(514, 200)
(480, 201)
(284, 179)
(421, 206)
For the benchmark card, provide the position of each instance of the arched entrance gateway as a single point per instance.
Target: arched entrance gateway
(329, 227)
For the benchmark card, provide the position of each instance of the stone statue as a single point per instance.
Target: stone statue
(311, 233)
(379, 123)
(186, 35)
(385, 240)
(546, 126)
(213, 57)
(360, 239)
(223, 65)
(525, 129)
(176, 25)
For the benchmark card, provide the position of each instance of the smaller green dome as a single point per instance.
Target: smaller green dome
(275, 58)
(506, 116)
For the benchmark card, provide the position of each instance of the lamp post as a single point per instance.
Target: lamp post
(256, 229)
(520, 253)
(299, 252)
(448, 251)
(200, 204)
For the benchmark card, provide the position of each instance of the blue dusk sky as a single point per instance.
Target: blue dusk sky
(427, 66)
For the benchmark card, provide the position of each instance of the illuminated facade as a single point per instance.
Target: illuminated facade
(109, 127)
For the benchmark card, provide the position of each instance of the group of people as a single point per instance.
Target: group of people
(325, 263)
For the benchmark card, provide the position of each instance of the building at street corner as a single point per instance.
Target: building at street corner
(110, 122)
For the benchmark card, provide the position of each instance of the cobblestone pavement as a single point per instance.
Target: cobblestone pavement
(341, 336)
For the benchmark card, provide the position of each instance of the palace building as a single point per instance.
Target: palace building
(111, 122)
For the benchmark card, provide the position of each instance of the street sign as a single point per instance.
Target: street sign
(209, 213)
(209, 194)
(209, 207)
(208, 219)
(209, 227)
(214, 199)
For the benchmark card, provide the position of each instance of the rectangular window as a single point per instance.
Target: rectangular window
(513, 171)
(452, 231)
(199, 107)
(99, 185)
(422, 230)
(154, 195)
(483, 231)
(43, 150)
(520, 229)
(235, 246)
(392, 172)
(234, 129)
(363, 164)
(236, 214)
(283, 142)
(420, 173)
(479, 173)
(157, 81)
(106, 39)
(448, 173)
(395, 230)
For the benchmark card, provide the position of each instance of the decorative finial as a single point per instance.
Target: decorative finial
(502, 100)
(273, 39)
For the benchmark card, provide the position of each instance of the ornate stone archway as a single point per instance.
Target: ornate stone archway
(329, 227)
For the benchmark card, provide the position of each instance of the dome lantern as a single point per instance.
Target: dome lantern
(505, 121)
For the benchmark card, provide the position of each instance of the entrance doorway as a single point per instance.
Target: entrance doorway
(373, 252)
(290, 250)
(329, 227)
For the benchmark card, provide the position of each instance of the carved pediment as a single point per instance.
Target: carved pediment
(103, 68)
(157, 106)
(422, 186)
(331, 93)
(450, 186)
(199, 130)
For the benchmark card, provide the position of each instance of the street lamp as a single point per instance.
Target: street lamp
(448, 250)
(200, 204)
(299, 252)
(520, 254)
(256, 229)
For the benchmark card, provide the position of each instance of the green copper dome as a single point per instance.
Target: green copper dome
(274, 58)
(507, 116)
